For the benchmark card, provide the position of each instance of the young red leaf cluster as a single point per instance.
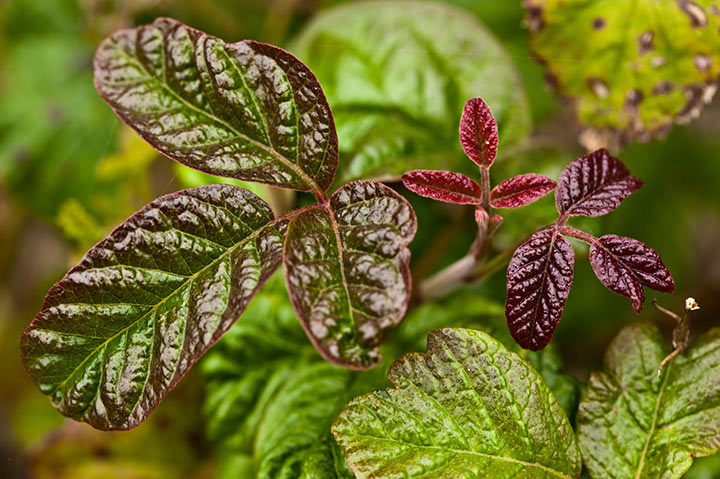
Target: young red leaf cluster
(541, 270)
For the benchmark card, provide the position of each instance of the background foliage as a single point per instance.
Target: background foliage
(70, 171)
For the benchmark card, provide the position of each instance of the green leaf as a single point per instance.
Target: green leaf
(467, 408)
(126, 323)
(398, 81)
(346, 265)
(244, 110)
(633, 424)
(632, 68)
(271, 399)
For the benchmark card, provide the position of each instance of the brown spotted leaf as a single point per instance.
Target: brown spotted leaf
(538, 282)
(478, 132)
(594, 185)
(444, 186)
(125, 324)
(630, 68)
(244, 110)
(521, 190)
(625, 265)
(346, 266)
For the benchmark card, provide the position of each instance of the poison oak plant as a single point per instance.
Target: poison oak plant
(142, 306)
(541, 269)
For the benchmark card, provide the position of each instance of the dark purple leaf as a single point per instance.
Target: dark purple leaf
(244, 110)
(624, 265)
(594, 185)
(520, 190)
(125, 324)
(346, 267)
(478, 132)
(538, 282)
(444, 186)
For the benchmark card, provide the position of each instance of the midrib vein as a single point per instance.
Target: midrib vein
(471, 453)
(651, 432)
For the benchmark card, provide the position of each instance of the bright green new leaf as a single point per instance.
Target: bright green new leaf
(126, 323)
(633, 424)
(632, 67)
(397, 82)
(467, 408)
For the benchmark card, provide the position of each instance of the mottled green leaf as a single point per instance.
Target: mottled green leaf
(633, 424)
(271, 398)
(244, 110)
(346, 265)
(632, 68)
(397, 76)
(126, 323)
(467, 408)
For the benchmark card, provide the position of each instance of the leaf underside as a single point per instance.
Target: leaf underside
(125, 324)
(594, 185)
(467, 408)
(347, 273)
(244, 110)
(444, 186)
(538, 282)
(632, 68)
(625, 265)
(633, 424)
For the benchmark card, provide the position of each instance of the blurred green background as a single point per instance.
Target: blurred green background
(70, 172)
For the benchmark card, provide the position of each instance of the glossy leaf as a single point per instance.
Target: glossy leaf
(467, 408)
(244, 110)
(125, 324)
(478, 132)
(633, 424)
(397, 83)
(594, 185)
(347, 271)
(443, 186)
(631, 69)
(538, 282)
(624, 265)
(521, 190)
(271, 398)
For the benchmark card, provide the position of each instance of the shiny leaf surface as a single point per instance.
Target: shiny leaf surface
(347, 271)
(467, 408)
(397, 83)
(538, 282)
(443, 186)
(633, 424)
(244, 110)
(521, 190)
(594, 185)
(271, 398)
(625, 265)
(478, 132)
(632, 68)
(126, 323)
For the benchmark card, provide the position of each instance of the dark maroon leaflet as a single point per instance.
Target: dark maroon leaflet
(443, 186)
(521, 190)
(624, 265)
(538, 282)
(478, 132)
(594, 185)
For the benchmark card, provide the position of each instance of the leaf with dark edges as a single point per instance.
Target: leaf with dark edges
(125, 324)
(346, 266)
(478, 132)
(468, 408)
(521, 190)
(594, 185)
(538, 282)
(443, 186)
(243, 110)
(624, 265)
(633, 424)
